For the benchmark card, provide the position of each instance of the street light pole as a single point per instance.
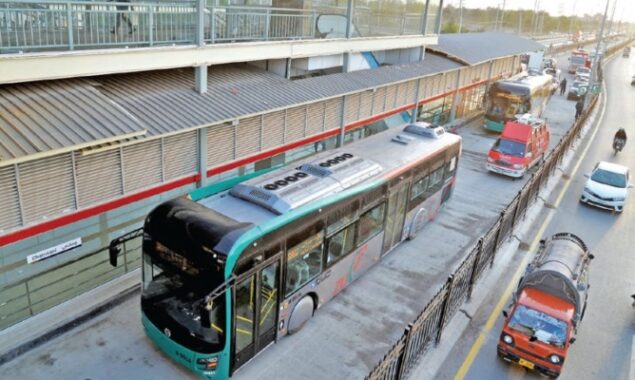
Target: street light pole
(608, 33)
(594, 69)
(502, 16)
(460, 15)
(572, 17)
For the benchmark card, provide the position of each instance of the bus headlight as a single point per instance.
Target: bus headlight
(490, 159)
(518, 166)
(208, 364)
(555, 359)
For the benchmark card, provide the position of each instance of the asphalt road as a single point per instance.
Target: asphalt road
(603, 347)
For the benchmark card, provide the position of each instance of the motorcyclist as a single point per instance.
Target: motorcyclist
(620, 135)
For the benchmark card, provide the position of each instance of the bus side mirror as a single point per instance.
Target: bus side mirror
(113, 251)
(505, 313)
(572, 340)
(586, 175)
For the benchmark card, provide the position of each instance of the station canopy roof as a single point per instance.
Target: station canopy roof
(49, 117)
(475, 48)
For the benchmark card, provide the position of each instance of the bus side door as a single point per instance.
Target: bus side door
(255, 299)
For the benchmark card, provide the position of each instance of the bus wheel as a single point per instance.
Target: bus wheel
(302, 312)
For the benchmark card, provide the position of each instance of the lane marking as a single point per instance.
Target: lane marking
(491, 320)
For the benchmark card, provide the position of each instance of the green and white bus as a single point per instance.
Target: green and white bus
(510, 97)
(227, 274)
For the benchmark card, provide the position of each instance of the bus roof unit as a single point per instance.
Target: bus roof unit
(283, 191)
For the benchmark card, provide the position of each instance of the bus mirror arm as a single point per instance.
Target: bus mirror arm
(113, 251)
(114, 248)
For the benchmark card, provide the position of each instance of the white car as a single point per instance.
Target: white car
(607, 186)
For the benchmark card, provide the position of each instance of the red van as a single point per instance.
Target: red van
(522, 144)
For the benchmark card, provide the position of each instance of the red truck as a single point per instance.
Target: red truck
(522, 144)
(547, 306)
(578, 58)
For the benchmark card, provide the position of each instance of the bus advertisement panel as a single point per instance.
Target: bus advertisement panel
(508, 98)
(229, 274)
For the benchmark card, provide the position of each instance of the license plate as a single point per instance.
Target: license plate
(525, 363)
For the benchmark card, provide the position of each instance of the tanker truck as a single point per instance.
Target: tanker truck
(547, 307)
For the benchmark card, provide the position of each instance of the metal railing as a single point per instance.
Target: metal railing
(30, 25)
(426, 330)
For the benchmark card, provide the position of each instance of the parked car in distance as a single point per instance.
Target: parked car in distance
(583, 70)
(633, 80)
(607, 186)
(521, 145)
(577, 90)
(627, 52)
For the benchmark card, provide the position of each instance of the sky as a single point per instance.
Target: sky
(625, 10)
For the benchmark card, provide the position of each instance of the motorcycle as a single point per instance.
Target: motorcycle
(618, 145)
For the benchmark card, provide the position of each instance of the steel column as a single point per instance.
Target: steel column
(201, 136)
(439, 17)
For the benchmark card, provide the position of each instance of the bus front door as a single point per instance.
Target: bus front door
(396, 215)
(255, 299)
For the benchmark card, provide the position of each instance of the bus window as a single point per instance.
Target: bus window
(304, 261)
(342, 216)
(450, 167)
(340, 244)
(370, 223)
(436, 181)
(418, 188)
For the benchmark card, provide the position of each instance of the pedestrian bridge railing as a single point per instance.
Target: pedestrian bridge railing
(31, 26)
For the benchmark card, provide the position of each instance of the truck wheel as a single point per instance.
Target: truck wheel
(302, 312)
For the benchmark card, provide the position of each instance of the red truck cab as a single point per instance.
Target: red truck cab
(547, 307)
(521, 145)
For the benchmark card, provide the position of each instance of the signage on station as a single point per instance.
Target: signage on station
(53, 251)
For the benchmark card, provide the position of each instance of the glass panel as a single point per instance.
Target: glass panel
(304, 261)
(268, 297)
(244, 313)
(419, 187)
(341, 217)
(370, 223)
(340, 244)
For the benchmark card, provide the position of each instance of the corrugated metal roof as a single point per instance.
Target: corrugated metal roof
(49, 116)
(45, 116)
(166, 99)
(473, 48)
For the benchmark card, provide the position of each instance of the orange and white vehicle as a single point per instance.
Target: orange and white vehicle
(522, 144)
(547, 306)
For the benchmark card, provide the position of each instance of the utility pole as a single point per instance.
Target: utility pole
(520, 22)
(503, 17)
(496, 19)
(608, 33)
(460, 15)
(573, 16)
(594, 69)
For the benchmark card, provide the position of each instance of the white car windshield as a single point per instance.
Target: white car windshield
(606, 177)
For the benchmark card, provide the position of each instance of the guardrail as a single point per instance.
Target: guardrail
(426, 330)
(30, 25)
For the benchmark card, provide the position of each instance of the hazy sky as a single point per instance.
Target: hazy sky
(625, 8)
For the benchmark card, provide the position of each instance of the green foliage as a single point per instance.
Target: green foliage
(450, 27)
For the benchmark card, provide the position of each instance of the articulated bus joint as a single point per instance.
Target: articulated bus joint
(114, 248)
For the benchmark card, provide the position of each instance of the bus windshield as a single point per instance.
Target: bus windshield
(504, 105)
(174, 298)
